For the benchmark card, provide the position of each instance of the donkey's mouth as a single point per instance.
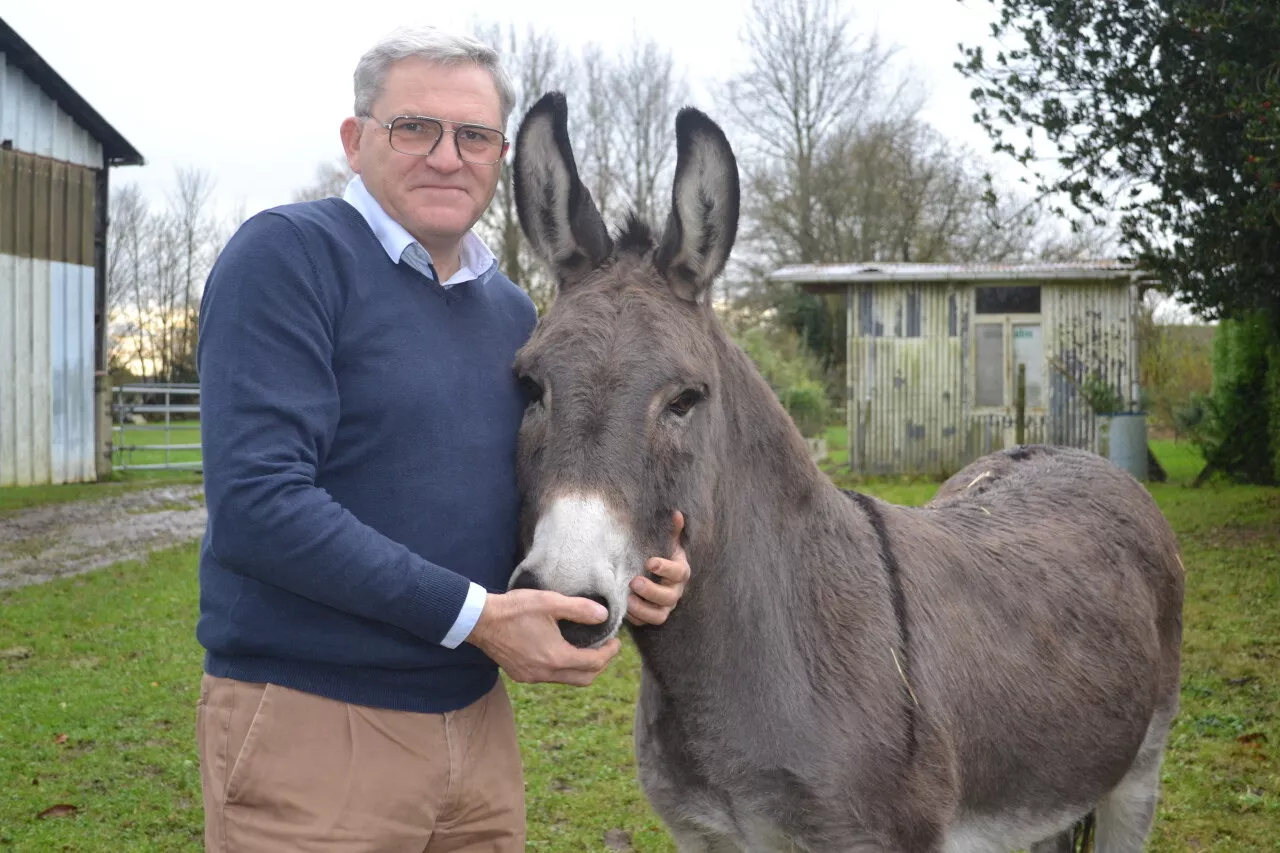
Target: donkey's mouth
(578, 634)
(586, 636)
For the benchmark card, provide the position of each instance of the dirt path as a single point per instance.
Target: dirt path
(47, 542)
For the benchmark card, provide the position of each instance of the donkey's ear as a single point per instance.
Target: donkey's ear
(555, 209)
(704, 207)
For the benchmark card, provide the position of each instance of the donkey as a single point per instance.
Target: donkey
(842, 674)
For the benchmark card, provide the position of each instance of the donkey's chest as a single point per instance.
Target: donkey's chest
(733, 783)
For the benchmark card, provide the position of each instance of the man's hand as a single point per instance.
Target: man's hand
(651, 603)
(518, 631)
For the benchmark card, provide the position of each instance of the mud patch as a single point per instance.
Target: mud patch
(47, 542)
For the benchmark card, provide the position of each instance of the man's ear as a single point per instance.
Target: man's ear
(351, 131)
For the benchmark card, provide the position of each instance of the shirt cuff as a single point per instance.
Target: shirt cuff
(467, 617)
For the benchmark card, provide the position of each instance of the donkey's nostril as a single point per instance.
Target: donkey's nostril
(584, 636)
(598, 599)
(526, 580)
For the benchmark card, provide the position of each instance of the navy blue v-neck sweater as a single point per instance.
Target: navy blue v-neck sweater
(359, 428)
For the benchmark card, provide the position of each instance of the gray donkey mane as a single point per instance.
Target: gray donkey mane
(842, 674)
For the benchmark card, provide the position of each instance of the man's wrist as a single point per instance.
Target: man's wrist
(468, 616)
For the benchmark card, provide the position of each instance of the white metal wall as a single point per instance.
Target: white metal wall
(37, 125)
(46, 288)
(46, 372)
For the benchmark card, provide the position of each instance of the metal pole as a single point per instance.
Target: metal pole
(850, 400)
(168, 428)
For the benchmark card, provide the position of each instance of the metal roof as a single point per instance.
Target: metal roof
(117, 150)
(835, 276)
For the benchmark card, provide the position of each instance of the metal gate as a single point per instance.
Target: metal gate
(146, 418)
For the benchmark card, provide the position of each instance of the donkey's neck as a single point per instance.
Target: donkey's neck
(780, 539)
(770, 487)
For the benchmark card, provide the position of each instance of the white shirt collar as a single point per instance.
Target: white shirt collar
(475, 258)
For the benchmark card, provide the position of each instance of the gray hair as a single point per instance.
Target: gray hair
(433, 45)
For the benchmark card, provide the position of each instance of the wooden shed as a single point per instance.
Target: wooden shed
(933, 352)
(55, 152)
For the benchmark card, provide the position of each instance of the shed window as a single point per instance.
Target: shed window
(869, 325)
(953, 318)
(989, 358)
(913, 313)
(1007, 300)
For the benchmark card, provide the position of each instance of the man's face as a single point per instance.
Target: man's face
(439, 197)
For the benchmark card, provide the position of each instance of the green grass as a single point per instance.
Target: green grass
(109, 660)
(1221, 776)
(1181, 460)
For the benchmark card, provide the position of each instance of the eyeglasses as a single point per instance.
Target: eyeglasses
(419, 136)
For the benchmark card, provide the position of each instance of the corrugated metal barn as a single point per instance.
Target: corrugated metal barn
(933, 352)
(55, 152)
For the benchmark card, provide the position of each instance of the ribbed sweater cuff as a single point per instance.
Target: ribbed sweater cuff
(434, 603)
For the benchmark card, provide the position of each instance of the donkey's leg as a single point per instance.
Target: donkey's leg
(1125, 815)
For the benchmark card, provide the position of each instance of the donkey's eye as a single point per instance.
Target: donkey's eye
(687, 399)
(531, 389)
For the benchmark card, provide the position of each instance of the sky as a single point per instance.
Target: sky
(254, 92)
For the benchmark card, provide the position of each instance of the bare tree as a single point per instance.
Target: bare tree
(808, 78)
(194, 230)
(1081, 241)
(595, 120)
(646, 95)
(331, 178)
(537, 64)
(128, 343)
(838, 167)
(158, 261)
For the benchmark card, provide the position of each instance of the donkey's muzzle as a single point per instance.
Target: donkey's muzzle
(574, 633)
(586, 636)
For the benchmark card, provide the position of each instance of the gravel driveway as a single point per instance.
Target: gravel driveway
(47, 542)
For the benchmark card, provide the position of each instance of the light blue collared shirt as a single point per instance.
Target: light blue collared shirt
(475, 259)
(477, 262)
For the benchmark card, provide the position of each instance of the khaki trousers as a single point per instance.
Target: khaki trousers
(284, 770)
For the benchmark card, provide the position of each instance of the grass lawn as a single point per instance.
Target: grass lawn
(98, 682)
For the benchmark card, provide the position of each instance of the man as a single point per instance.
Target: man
(359, 426)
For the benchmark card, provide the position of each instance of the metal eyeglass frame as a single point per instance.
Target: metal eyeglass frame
(389, 127)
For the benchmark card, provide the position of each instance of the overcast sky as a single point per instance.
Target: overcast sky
(253, 92)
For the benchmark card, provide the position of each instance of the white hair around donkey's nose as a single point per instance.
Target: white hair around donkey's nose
(580, 548)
